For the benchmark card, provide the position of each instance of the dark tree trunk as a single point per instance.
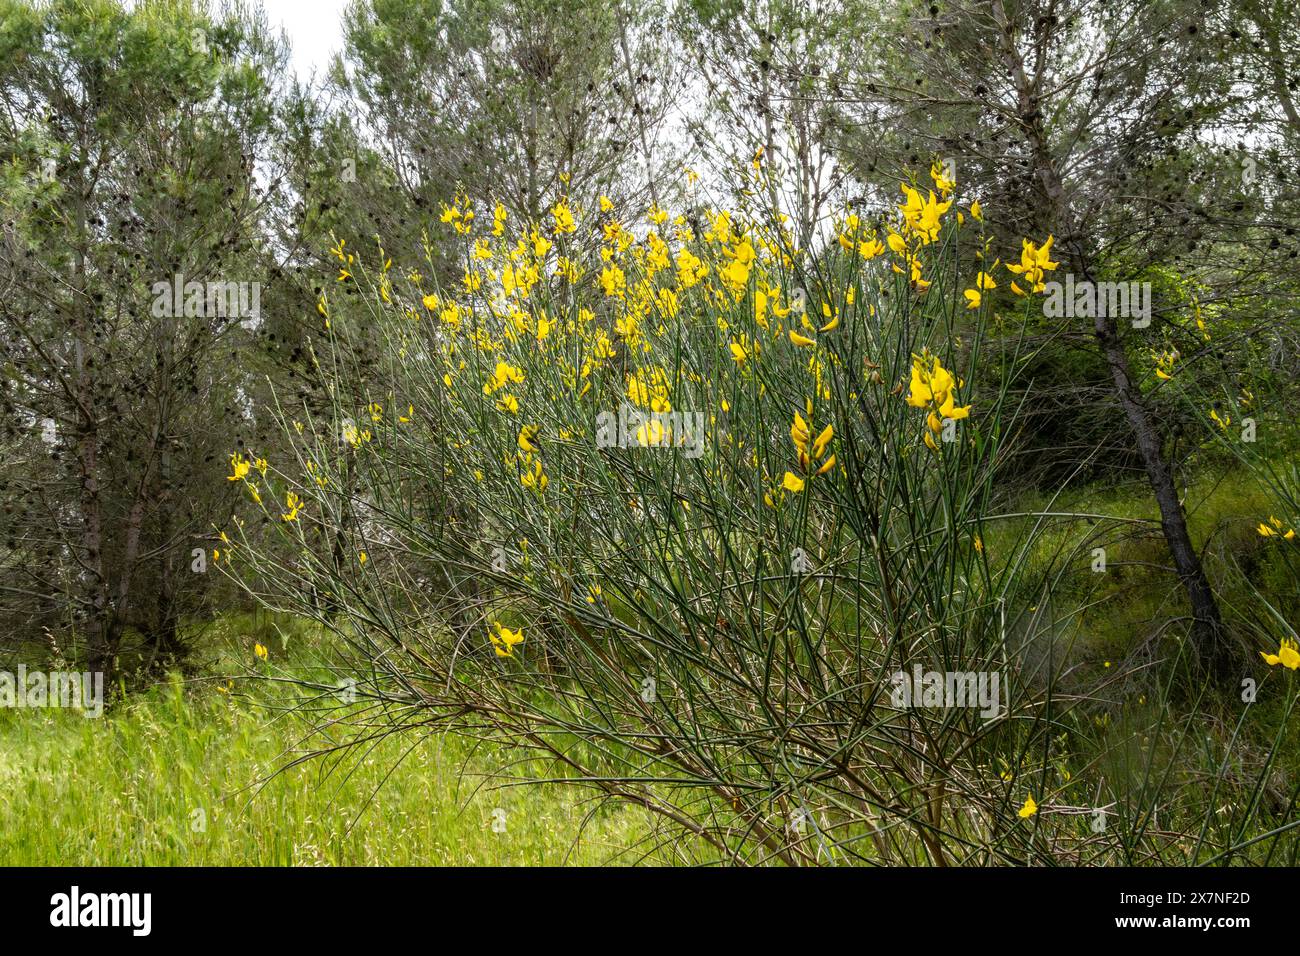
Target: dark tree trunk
(1207, 624)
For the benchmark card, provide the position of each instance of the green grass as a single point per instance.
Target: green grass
(127, 789)
(1139, 591)
(131, 789)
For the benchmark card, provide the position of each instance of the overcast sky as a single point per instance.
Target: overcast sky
(313, 29)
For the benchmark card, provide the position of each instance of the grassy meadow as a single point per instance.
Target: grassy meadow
(183, 774)
(206, 769)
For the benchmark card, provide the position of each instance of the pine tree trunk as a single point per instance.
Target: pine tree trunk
(1207, 624)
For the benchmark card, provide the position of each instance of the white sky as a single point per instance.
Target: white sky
(313, 28)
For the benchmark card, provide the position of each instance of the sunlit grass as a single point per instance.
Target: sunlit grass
(182, 774)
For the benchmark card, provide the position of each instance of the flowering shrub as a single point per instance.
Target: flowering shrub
(701, 516)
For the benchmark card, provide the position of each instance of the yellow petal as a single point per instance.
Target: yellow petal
(822, 441)
(950, 410)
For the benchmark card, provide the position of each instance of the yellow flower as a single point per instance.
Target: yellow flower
(950, 410)
(563, 217)
(361, 558)
(239, 466)
(933, 387)
(1165, 364)
(870, 248)
(526, 436)
(614, 281)
(930, 382)
(294, 504)
(919, 394)
(504, 639)
(792, 482)
(1028, 810)
(1288, 655)
(922, 217)
(541, 245)
(534, 478)
(736, 273)
(651, 433)
(976, 211)
(822, 441)
(648, 387)
(801, 340)
(972, 298)
(260, 651)
(738, 353)
(503, 374)
(799, 433)
(690, 268)
(941, 181)
(1034, 261)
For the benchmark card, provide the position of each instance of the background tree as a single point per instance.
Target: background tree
(1095, 122)
(515, 101)
(135, 135)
